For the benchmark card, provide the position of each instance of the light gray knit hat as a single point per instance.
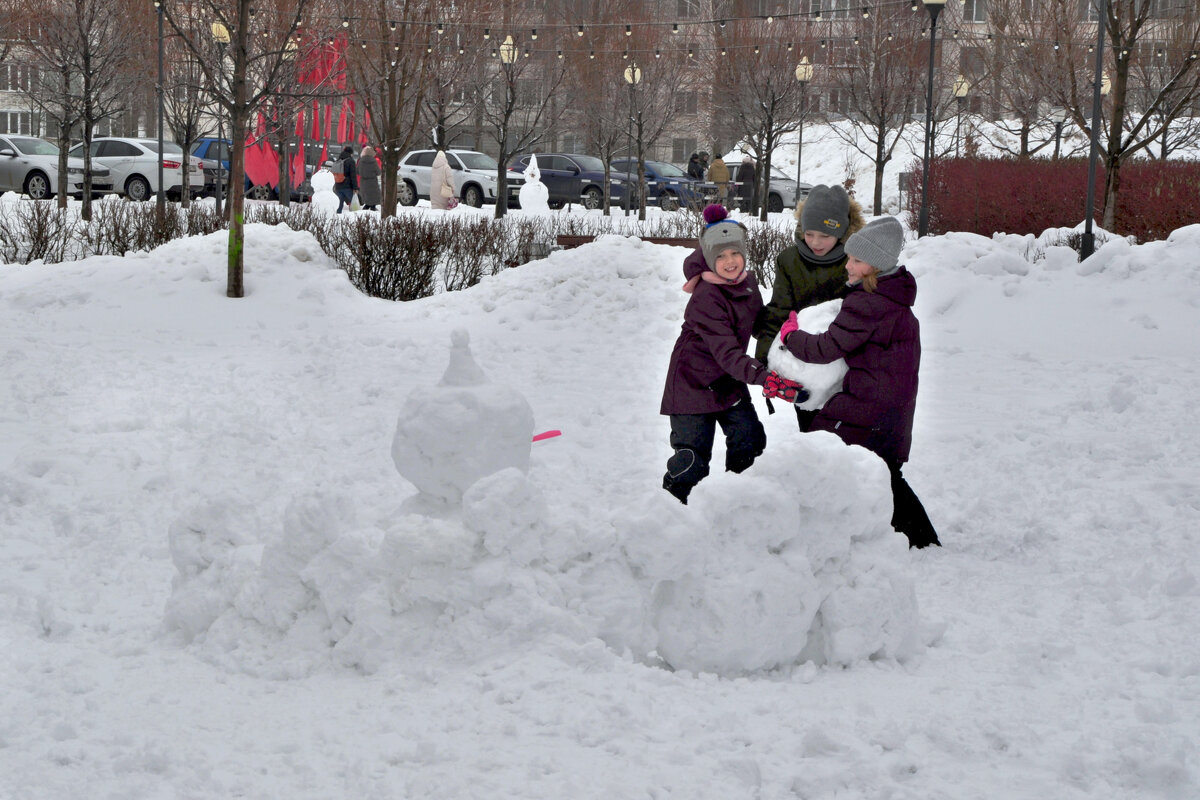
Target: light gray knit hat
(720, 234)
(826, 209)
(878, 243)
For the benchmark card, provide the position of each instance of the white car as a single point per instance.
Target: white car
(474, 177)
(30, 166)
(134, 166)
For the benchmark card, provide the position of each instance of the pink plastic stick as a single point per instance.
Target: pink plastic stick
(547, 435)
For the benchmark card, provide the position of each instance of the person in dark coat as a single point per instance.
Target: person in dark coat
(878, 335)
(812, 270)
(694, 168)
(346, 188)
(368, 179)
(746, 187)
(709, 371)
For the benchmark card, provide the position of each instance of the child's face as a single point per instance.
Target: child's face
(820, 243)
(857, 270)
(730, 264)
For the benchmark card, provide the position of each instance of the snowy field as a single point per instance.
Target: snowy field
(216, 583)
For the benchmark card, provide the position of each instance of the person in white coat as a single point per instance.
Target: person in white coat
(441, 184)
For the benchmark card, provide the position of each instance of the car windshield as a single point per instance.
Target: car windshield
(168, 147)
(477, 161)
(589, 163)
(666, 170)
(33, 147)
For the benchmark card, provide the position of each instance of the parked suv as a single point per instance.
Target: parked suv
(574, 178)
(214, 153)
(134, 166)
(30, 165)
(668, 185)
(782, 191)
(474, 177)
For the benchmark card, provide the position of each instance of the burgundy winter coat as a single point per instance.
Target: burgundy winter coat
(709, 366)
(878, 335)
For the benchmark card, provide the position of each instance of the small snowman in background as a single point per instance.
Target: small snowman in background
(534, 194)
(323, 195)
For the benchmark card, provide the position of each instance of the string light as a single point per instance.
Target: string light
(560, 53)
(580, 31)
(658, 54)
(789, 47)
(675, 28)
(487, 34)
(592, 54)
(722, 23)
(392, 25)
(533, 35)
(345, 22)
(440, 28)
(770, 19)
(629, 30)
(866, 13)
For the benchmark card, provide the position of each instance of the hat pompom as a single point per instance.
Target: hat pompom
(714, 212)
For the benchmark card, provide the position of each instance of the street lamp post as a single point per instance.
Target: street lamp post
(633, 76)
(804, 73)
(508, 55)
(1087, 245)
(162, 195)
(934, 7)
(221, 35)
(962, 87)
(1059, 116)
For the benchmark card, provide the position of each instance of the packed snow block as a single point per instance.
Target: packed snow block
(450, 435)
(794, 560)
(822, 381)
(507, 511)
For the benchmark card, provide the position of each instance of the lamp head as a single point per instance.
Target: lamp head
(804, 70)
(220, 33)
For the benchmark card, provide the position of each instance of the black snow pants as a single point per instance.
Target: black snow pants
(692, 437)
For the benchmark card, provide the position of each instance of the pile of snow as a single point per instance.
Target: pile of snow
(754, 575)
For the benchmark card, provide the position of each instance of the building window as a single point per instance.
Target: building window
(682, 149)
(17, 122)
(17, 77)
(687, 102)
(572, 143)
(974, 10)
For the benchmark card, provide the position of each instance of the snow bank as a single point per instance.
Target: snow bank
(794, 560)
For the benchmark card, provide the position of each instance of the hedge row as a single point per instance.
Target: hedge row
(989, 195)
(398, 258)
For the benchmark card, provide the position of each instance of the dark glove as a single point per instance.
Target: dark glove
(788, 391)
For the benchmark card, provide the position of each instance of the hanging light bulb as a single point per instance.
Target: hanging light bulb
(345, 22)
(866, 13)
(580, 31)
(722, 23)
(628, 30)
(592, 54)
(789, 48)
(487, 34)
(392, 25)
(770, 19)
(692, 53)
(440, 28)
(560, 53)
(533, 35)
(755, 49)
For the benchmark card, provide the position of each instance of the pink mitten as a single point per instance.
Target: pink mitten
(788, 327)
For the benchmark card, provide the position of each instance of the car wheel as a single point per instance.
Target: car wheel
(260, 192)
(137, 188)
(593, 198)
(774, 203)
(406, 194)
(668, 202)
(37, 186)
(473, 196)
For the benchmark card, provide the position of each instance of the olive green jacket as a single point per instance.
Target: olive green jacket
(798, 284)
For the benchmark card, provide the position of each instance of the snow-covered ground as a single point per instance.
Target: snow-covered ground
(216, 583)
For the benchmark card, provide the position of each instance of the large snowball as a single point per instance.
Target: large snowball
(822, 381)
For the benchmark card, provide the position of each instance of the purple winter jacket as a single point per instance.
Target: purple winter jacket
(709, 366)
(880, 338)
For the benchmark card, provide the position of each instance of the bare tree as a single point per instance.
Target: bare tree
(514, 94)
(387, 68)
(259, 53)
(185, 103)
(1142, 103)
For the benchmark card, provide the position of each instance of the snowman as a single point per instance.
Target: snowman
(465, 428)
(323, 195)
(534, 194)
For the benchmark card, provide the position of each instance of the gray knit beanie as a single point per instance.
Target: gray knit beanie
(827, 209)
(720, 234)
(878, 243)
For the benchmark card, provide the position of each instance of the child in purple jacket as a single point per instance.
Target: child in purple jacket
(707, 379)
(878, 335)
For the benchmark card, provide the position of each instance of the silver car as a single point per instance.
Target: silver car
(30, 166)
(474, 177)
(782, 191)
(134, 166)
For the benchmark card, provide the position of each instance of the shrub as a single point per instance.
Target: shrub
(1020, 196)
